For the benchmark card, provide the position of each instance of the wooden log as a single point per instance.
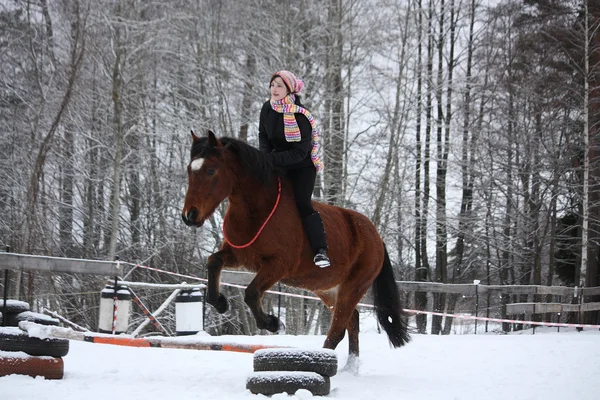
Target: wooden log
(520, 308)
(570, 307)
(467, 289)
(591, 291)
(542, 308)
(162, 285)
(64, 320)
(590, 306)
(26, 262)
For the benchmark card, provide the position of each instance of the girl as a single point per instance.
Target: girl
(288, 134)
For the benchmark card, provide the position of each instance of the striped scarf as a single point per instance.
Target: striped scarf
(288, 107)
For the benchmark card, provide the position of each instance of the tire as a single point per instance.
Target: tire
(48, 367)
(323, 362)
(13, 339)
(269, 383)
(42, 319)
(14, 306)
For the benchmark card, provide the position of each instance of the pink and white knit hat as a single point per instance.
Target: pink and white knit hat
(293, 83)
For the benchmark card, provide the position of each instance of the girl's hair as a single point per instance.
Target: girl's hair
(283, 80)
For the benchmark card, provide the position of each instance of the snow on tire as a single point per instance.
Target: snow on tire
(322, 361)
(271, 382)
(30, 316)
(48, 367)
(14, 339)
(14, 306)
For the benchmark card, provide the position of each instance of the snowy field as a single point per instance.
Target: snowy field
(547, 365)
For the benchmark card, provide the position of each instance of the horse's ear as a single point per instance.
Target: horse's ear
(212, 140)
(194, 137)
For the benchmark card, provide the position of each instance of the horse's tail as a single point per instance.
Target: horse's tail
(387, 304)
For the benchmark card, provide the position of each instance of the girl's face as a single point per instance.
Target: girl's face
(278, 89)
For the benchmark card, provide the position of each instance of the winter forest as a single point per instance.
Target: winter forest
(466, 130)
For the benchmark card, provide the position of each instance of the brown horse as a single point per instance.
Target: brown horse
(263, 234)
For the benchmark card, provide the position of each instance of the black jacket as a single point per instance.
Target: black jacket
(271, 139)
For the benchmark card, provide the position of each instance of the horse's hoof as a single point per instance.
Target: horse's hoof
(275, 325)
(221, 304)
(352, 365)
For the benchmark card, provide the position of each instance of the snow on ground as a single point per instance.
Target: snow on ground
(547, 365)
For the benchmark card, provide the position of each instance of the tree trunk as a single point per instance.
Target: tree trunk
(66, 209)
(589, 275)
(335, 143)
(465, 224)
(395, 127)
(441, 259)
(247, 96)
(117, 120)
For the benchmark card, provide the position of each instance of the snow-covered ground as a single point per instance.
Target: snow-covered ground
(547, 365)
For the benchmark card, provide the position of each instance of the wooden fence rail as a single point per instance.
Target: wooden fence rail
(14, 261)
(23, 262)
(542, 308)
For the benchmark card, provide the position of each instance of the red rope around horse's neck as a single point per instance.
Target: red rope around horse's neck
(261, 228)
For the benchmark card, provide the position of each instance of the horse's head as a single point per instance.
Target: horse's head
(209, 181)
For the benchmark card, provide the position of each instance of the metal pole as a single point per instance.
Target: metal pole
(115, 299)
(4, 313)
(476, 282)
(579, 294)
(279, 301)
(204, 308)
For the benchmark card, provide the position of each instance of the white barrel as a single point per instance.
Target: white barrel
(189, 312)
(105, 321)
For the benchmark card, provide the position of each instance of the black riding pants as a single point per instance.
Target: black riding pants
(303, 180)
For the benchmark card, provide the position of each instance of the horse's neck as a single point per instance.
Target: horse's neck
(251, 201)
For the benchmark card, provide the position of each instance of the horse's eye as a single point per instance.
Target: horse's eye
(210, 171)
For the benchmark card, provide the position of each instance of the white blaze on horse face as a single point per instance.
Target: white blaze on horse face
(197, 164)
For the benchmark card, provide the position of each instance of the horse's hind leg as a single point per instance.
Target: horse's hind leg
(329, 299)
(215, 264)
(353, 331)
(345, 316)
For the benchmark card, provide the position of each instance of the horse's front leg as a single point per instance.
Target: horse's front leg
(253, 296)
(215, 265)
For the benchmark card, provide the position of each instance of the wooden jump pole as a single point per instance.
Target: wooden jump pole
(124, 340)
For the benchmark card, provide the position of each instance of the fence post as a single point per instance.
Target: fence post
(579, 294)
(476, 282)
(279, 301)
(4, 314)
(5, 296)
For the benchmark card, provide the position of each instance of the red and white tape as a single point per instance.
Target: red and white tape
(457, 316)
(511, 321)
(115, 306)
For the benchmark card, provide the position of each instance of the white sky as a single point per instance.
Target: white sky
(546, 366)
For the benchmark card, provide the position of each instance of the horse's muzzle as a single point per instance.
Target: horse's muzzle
(189, 218)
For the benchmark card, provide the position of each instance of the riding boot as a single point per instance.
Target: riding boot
(315, 231)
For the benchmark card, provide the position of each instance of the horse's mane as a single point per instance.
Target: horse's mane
(252, 160)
